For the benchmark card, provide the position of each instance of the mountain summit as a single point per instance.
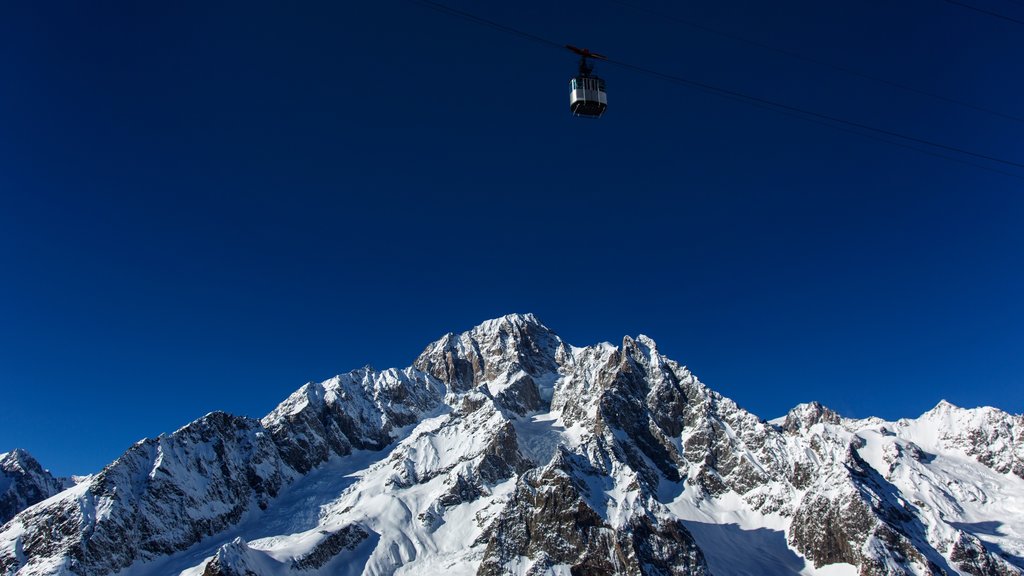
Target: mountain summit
(505, 450)
(23, 482)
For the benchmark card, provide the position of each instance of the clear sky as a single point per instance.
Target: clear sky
(205, 205)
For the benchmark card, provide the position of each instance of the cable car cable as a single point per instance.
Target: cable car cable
(891, 142)
(799, 56)
(984, 11)
(823, 116)
(778, 106)
(485, 22)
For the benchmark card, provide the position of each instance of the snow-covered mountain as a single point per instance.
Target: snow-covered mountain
(24, 482)
(505, 450)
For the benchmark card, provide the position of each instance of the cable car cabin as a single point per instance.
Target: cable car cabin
(587, 97)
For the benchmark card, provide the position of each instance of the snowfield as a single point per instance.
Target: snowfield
(504, 450)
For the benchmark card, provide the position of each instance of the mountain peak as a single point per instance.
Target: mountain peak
(945, 410)
(515, 321)
(805, 415)
(19, 459)
(505, 450)
(516, 317)
(495, 350)
(23, 482)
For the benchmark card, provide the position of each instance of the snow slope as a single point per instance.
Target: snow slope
(504, 450)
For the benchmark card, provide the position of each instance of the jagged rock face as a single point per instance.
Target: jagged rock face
(513, 356)
(968, 554)
(801, 418)
(358, 410)
(643, 398)
(505, 450)
(328, 549)
(852, 515)
(677, 427)
(23, 482)
(549, 522)
(160, 497)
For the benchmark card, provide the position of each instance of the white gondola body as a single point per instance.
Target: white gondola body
(587, 96)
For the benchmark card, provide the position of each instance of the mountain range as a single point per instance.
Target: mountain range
(506, 450)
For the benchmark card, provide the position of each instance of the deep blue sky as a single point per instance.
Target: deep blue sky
(205, 205)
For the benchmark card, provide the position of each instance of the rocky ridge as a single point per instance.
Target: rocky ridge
(24, 482)
(505, 450)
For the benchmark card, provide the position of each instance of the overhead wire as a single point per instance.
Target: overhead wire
(984, 11)
(810, 115)
(891, 142)
(485, 22)
(820, 115)
(815, 61)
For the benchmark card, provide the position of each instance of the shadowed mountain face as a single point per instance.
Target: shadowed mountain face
(505, 450)
(23, 482)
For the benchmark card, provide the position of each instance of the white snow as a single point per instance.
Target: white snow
(539, 435)
(395, 494)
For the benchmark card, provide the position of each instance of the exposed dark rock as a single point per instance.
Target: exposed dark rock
(505, 346)
(640, 431)
(829, 530)
(855, 516)
(23, 482)
(158, 497)
(346, 538)
(358, 410)
(968, 554)
(550, 520)
(803, 416)
(521, 396)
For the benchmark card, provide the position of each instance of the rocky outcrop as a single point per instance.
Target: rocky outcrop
(969, 556)
(160, 497)
(359, 410)
(801, 418)
(853, 515)
(332, 544)
(166, 494)
(512, 356)
(503, 449)
(551, 522)
(23, 482)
